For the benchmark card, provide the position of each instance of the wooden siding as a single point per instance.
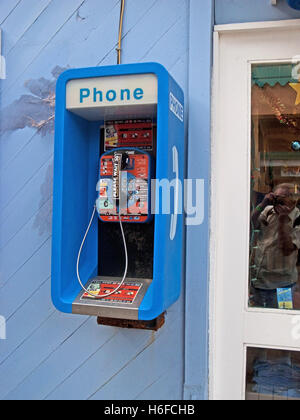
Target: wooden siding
(49, 355)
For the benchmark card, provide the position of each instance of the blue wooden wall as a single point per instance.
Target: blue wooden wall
(49, 355)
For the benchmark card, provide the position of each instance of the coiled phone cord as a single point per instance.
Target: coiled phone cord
(79, 255)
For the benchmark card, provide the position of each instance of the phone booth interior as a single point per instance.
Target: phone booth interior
(131, 116)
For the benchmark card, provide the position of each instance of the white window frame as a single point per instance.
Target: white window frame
(216, 112)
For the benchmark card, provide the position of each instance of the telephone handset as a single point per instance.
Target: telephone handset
(123, 195)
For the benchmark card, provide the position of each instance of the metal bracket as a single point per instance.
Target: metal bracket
(274, 2)
(154, 325)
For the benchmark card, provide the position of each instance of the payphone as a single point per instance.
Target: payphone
(119, 136)
(295, 4)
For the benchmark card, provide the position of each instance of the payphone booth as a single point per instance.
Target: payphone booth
(118, 223)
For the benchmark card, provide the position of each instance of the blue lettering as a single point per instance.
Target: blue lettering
(98, 93)
(111, 95)
(84, 93)
(123, 91)
(138, 94)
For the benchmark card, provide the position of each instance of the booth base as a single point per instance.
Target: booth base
(123, 304)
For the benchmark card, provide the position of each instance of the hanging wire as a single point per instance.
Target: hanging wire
(119, 49)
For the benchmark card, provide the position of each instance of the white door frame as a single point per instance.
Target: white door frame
(215, 248)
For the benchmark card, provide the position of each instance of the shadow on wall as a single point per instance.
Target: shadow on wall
(36, 110)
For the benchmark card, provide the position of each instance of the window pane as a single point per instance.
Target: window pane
(272, 375)
(275, 186)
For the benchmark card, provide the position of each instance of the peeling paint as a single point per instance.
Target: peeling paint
(78, 17)
(34, 110)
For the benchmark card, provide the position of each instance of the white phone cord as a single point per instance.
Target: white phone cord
(126, 259)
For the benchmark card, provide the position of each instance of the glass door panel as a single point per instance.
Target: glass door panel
(275, 187)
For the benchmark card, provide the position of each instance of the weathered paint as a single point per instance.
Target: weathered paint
(34, 110)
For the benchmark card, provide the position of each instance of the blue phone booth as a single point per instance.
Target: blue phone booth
(295, 4)
(102, 114)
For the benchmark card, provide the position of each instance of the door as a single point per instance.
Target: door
(255, 263)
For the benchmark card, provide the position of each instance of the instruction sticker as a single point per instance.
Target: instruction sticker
(285, 298)
(126, 294)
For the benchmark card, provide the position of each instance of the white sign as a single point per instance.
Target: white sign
(176, 107)
(114, 91)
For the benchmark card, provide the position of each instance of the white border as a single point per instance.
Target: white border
(215, 109)
(213, 217)
(250, 26)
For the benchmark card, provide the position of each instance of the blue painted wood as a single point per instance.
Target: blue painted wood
(132, 19)
(27, 203)
(161, 52)
(235, 11)
(101, 366)
(63, 356)
(7, 173)
(20, 19)
(26, 50)
(149, 373)
(79, 59)
(65, 55)
(51, 30)
(144, 37)
(36, 39)
(178, 71)
(13, 141)
(36, 348)
(166, 386)
(7, 7)
(22, 247)
(36, 154)
(197, 252)
(87, 340)
(26, 281)
(34, 311)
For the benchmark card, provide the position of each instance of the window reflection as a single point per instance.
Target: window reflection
(275, 188)
(272, 374)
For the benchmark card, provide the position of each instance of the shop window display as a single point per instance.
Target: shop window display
(272, 374)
